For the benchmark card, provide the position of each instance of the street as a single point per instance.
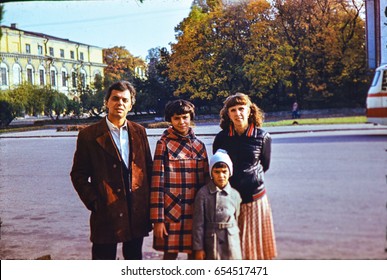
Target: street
(328, 192)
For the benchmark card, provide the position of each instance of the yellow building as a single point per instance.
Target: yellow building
(41, 59)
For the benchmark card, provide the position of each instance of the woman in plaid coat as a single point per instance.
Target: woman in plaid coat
(180, 168)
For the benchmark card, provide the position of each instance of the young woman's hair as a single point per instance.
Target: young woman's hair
(122, 86)
(256, 114)
(179, 107)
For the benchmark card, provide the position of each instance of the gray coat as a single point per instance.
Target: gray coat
(215, 222)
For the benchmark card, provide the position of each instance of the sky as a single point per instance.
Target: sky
(105, 23)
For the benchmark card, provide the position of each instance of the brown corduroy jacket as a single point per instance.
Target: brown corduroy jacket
(98, 177)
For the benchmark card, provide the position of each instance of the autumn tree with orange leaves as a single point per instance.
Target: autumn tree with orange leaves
(309, 50)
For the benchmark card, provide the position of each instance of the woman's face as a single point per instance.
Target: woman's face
(239, 115)
(181, 123)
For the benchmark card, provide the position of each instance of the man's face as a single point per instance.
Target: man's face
(181, 123)
(220, 176)
(119, 104)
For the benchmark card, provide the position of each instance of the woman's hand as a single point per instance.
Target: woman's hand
(159, 230)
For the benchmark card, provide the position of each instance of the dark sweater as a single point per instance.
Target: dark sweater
(250, 154)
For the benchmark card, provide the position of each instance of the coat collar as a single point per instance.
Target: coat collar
(214, 189)
(251, 131)
(173, 134)
(105, 140)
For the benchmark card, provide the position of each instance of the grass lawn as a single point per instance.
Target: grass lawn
(315, 121)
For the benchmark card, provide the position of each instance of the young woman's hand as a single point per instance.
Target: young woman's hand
(159, 230)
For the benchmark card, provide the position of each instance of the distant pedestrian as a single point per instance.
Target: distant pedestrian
(295, 113)
(111, 173)
(249, 147)
(180, 168)
(215, 222)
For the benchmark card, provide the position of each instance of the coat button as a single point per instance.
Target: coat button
(118, 190)
(114, 165)
(121, 214)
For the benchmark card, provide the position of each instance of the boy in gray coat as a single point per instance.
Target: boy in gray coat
(216, 211)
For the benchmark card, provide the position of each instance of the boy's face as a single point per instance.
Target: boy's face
(220, 176)
(181, 123)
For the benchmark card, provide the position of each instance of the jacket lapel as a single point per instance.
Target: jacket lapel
(133, 141)
(105, 140)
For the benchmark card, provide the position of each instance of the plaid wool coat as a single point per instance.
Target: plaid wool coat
(180, 168)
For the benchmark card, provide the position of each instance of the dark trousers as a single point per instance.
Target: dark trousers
(131, 250)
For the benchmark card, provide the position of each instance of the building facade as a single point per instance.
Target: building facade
(41, 59)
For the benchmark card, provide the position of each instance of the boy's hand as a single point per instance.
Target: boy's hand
(159, 230)
(200, 255)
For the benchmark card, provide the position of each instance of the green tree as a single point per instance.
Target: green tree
(89, 97)
(1, 17)
(326, 37)
(13, 103)
(36, 98)
(6, 112)
(11, 106)
(92, 102)
(55, 102)
(74, 108)
(157, 89)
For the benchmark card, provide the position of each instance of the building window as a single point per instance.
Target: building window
(74, 79)
(40, 50)
(81, 56)
(28, 48)
(83, 80)
(64, 78)
(53, 80)
(72, 54)
(29, 76)
(51, 51)
(41, 77)
(62, 53)
(3, 76)
(16, 74)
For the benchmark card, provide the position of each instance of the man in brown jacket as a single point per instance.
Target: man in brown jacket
(111, 173)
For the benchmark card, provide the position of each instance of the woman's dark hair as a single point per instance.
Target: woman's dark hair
(179, 107)
(122, 86)
(256, 115)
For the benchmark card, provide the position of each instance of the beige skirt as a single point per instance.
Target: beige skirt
(257, 230)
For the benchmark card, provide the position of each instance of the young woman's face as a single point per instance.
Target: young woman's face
(220, 176)
(181, 123)
(239, 115)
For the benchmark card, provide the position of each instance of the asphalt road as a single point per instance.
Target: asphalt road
(328, 192)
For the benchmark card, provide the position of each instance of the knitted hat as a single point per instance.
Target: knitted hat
(221, 156)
